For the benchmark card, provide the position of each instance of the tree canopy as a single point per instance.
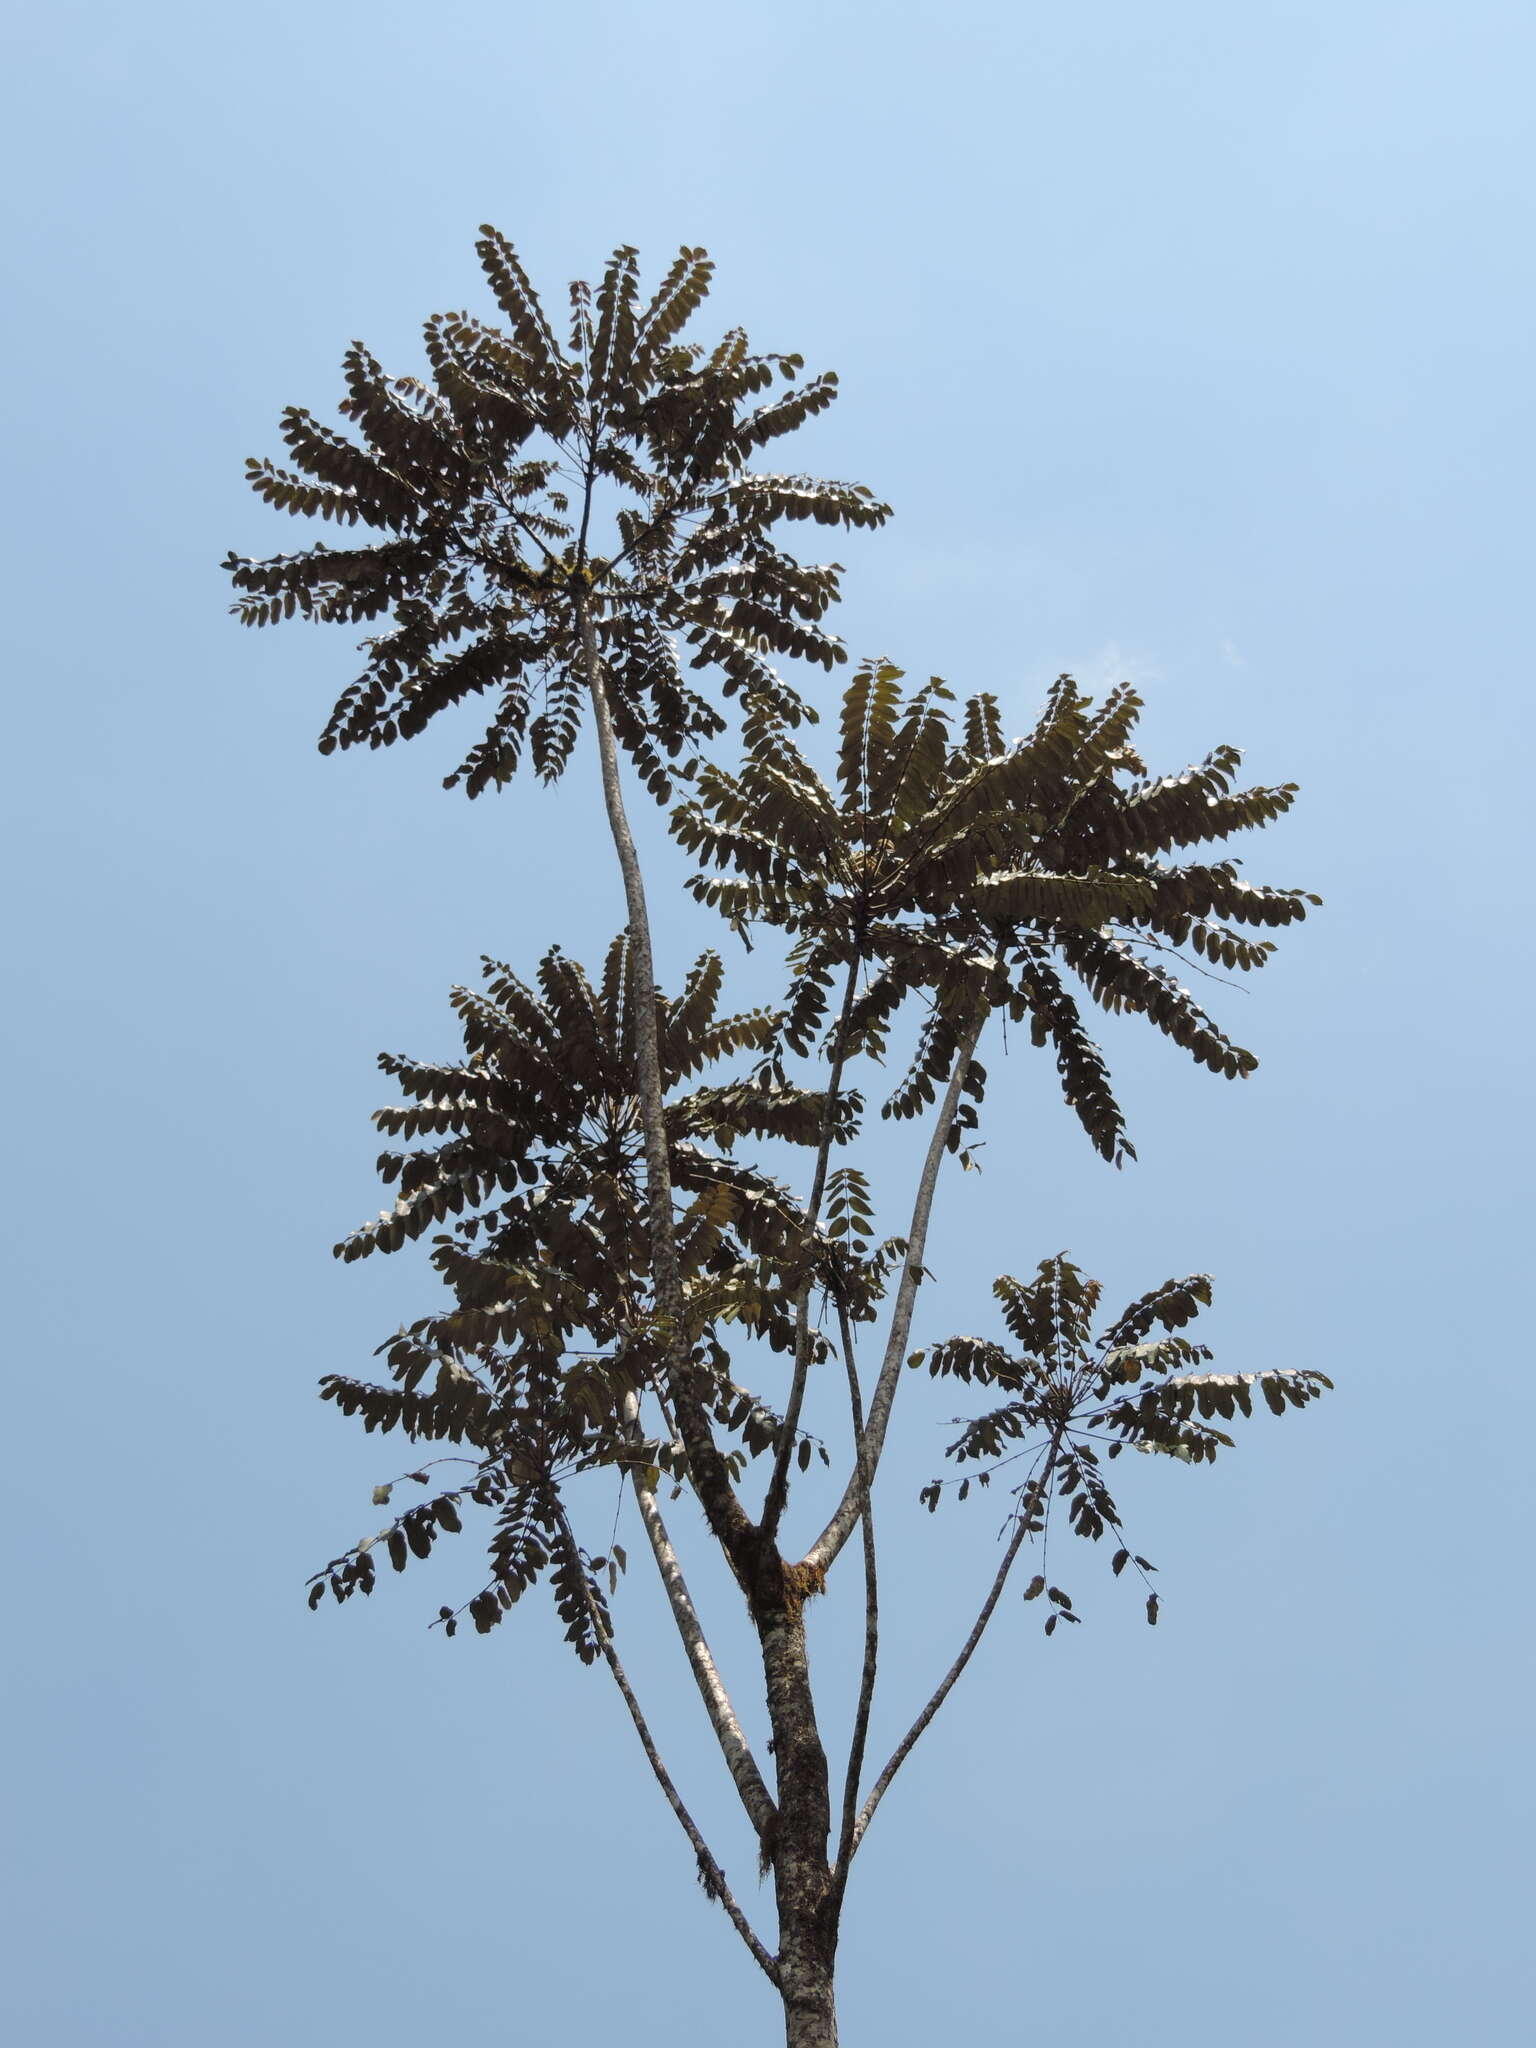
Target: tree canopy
(633, 1274)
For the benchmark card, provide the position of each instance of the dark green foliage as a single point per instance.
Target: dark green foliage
(972, 872)
(551, 1335)
(555, 521)
(541, 1147)
(529, 479)
(975, 874)
(1069, 1390)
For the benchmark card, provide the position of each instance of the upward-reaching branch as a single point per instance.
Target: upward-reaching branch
(778, 1485)
(734, 1746)
(945, 1685)
(726, 1516)
(711, 1876)
(860, 1735)
(845, 1517)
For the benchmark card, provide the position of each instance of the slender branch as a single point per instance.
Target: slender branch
(942, 1691)
(679, 508)
(741, 1763)
(711, 1876)
(947, 1682)
(778, 1485)
(860, 1736)
(588, 479)
(728, 1519)
(846, 1514)
(518, 519)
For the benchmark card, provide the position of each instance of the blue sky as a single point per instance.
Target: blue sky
(1192, 346)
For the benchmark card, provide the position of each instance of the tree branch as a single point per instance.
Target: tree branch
(741, 1763)
(860, 1736)
(778, 1485)
(968, 1650)
(728, 1519)
(846, 1514)
(711, 1876)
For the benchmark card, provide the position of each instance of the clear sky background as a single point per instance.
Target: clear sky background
(1192, 345)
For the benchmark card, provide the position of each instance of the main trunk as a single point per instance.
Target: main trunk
(810, 2010)
(802, 1879)
(807, 1908)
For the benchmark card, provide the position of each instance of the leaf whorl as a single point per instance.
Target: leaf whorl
(1068, 1391)
(470, 477)
(526, 1171)
(969, 872)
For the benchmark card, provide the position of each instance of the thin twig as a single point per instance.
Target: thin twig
(778, 1485)
(968, 1650)
(710, 1874)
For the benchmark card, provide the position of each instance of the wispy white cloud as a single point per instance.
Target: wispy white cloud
(1116, 664)
(985, 566)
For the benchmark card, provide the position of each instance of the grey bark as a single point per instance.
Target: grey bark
(723, 1719)
(1039, 1489)
(858, 1740)
(710, 1874)
(845, 1516)
(802, 1877)
(727, 1518)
